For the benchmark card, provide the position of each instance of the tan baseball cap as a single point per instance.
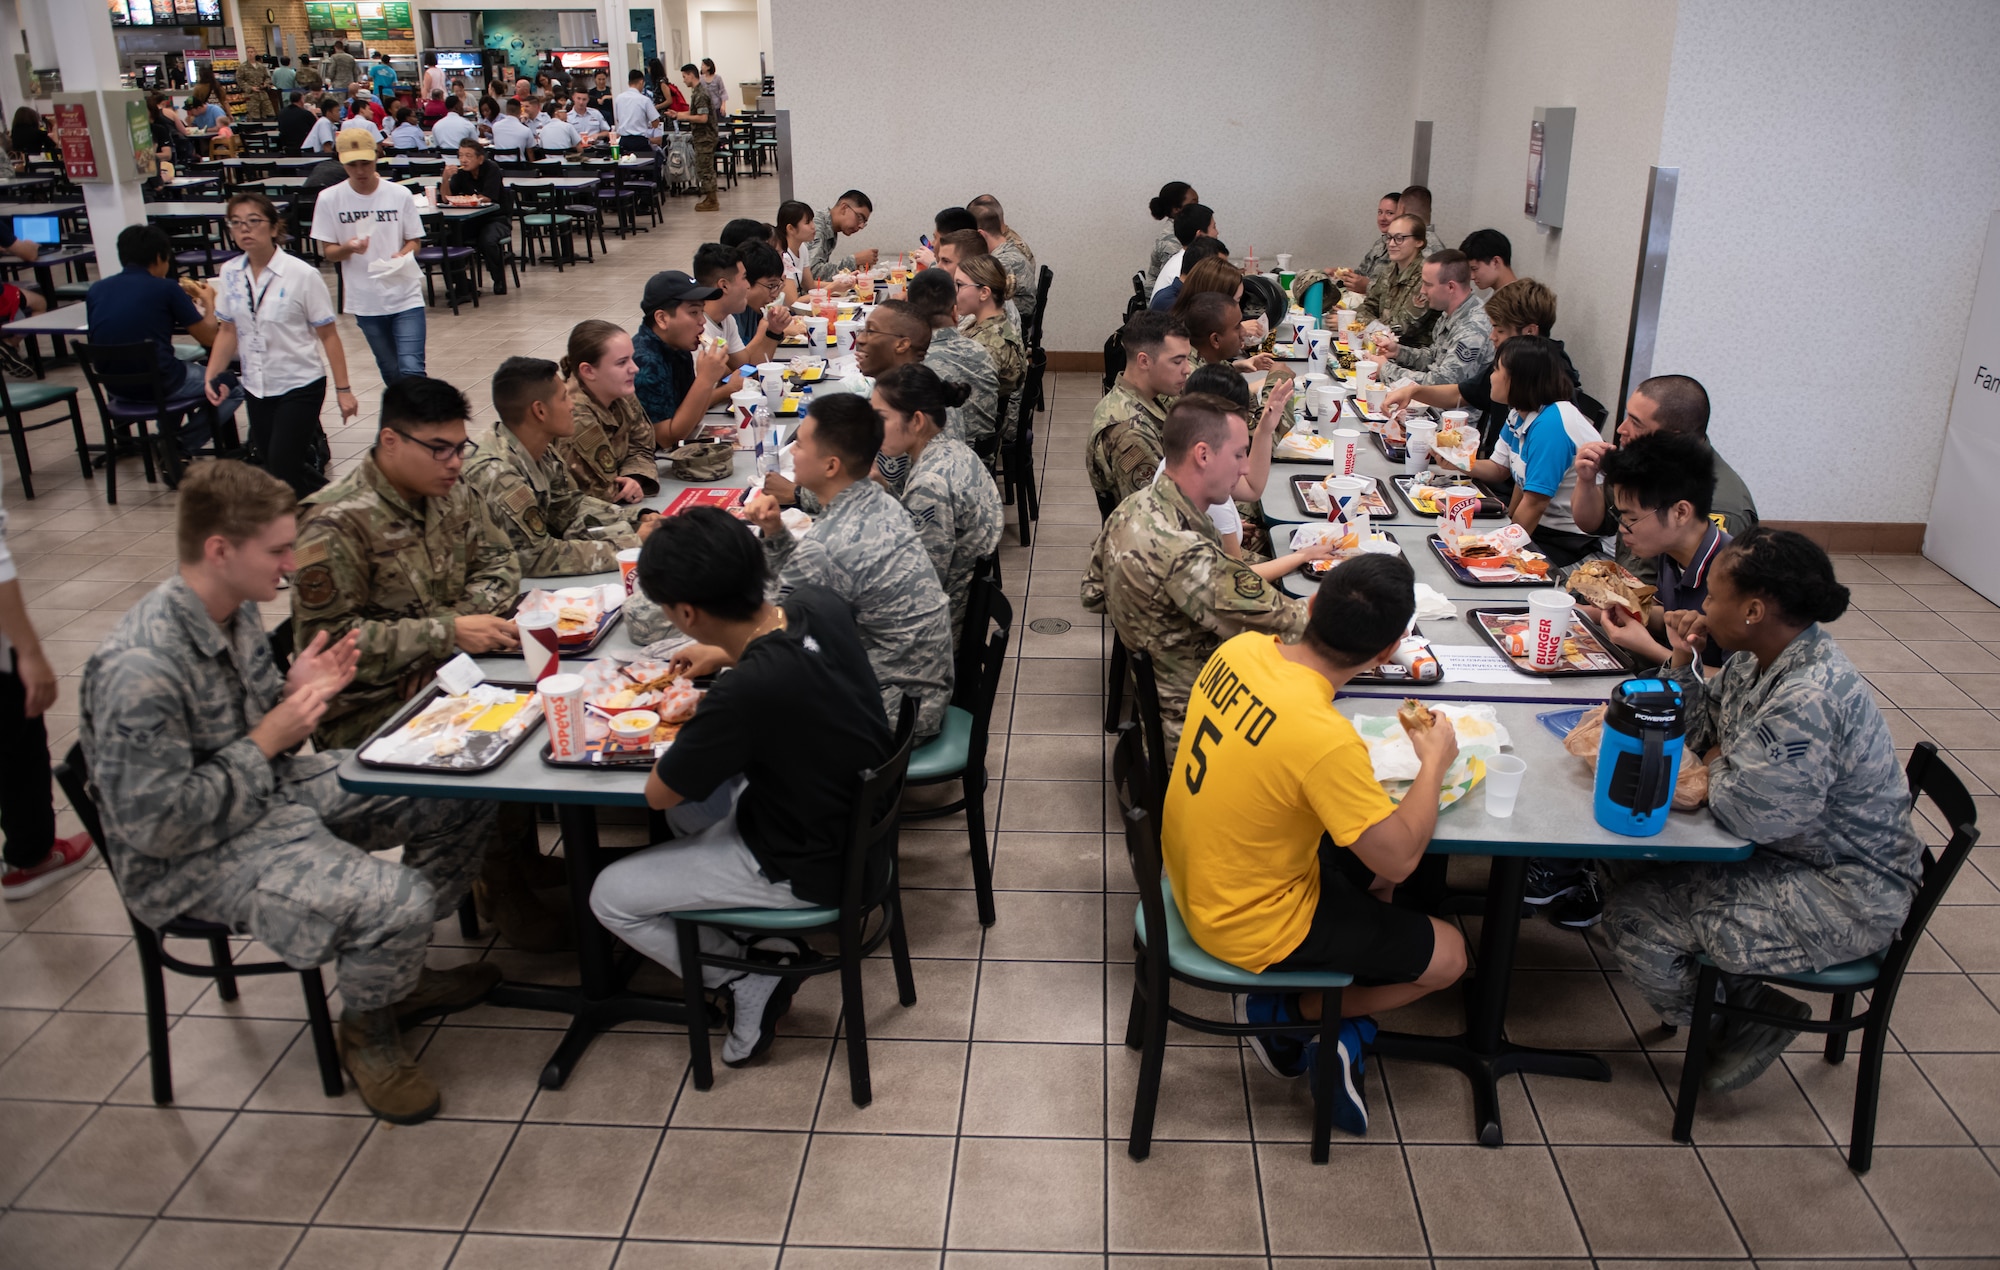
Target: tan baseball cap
(354, 143)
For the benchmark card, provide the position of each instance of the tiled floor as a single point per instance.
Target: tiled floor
(1003, 1096)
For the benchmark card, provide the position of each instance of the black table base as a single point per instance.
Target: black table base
(1482, 1050)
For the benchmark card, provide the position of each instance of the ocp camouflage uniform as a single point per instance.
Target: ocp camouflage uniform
(1022, 271)
(1002, 341)
(955, 356)
(1159, 570)
(254, 78)
(1164, 248)
(864, 548)
(819, 258)
(399, 574)
(1808, 772)
(1125, 445)
(198, 822)
(609, 442)
(1461, 346)
(956, 510)
(542, 512)
(704, 137)
(1395, 297)
(1254, 538)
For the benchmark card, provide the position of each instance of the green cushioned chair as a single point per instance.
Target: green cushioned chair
(958, 752)
(1880, 974)
(871, 839)
(16, 399)
(72, 290)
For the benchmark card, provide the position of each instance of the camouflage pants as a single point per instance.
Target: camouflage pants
(704, 167)
(1764, 915)
(257, 104)
(323, 897)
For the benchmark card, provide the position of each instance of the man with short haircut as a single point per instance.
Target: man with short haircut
(759, 815)
(1395, 297)
(1377, 257)
(341, 69)
(210, 811)
(511, 136)
(675, 383)
(308, 79)
(1126, 445)
(722, 268)
(1664, 403)
(1461, 344)
(477, 174)
(454, 129)
(283, 77)
(363, 221)
(1415, 200)
(952, 220)
(1159, 568)
(764, 272)
(1283, 848)
(1010, 257)
(555, 135)
(294, 123)
(1197, 251)
(556, 529)
(700, 119)
(864, 549)
(1661, 487)
(138, 305)
(895, 334)
(848, 216)
(1522, 307)
(634, 115)
(1196, 220)
(956, 356)
(585, 118)
(1491, 257)
(319, 138)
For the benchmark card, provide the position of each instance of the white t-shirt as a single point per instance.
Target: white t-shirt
(728, 332)
(388, 218)
(1169, 271)
(1223, 515)
(277, 318)
(794, 268)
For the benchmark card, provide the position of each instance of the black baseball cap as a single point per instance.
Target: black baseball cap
(671, 286)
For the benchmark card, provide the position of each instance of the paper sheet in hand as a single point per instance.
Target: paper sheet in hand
(1474, 664)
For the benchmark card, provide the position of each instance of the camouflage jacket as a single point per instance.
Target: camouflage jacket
(1022, 270)
(546, 518)
(1395, 296)
(1159, 570)
(1125, 446)
(864, 549)
(610, 442)
(1378, 256)
(956, 357)
(700, 104)
(1460, 347)
(956, 510)
(1002, 341)
(1164, 248)
(399, 574)
(168, 702)
(819, 259)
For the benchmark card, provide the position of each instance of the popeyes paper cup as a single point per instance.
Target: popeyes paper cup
(1422, 432)
(1549, 614)
(538, 642)
(1461, 504)
(628, 569)
(562, 706)
(1457, 419)
(1348, 498)
(816, 331)
(843, 336)
(1346, 445)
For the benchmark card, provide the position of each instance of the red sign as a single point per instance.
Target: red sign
(79, 155)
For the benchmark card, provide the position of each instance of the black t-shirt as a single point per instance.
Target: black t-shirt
(489, 182)
(799, 717)
(294, 123)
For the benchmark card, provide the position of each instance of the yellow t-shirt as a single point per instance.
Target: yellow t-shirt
(1266, 765)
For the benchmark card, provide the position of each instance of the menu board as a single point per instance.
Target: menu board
(346, 17)
(319, 15)
(140, 12)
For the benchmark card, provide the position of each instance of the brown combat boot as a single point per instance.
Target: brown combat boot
(442, 992)
(505, 900)
(708, 204)
(391, 1083)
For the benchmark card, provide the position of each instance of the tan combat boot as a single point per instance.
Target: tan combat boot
(505, 899)
(391, 1083)
(708, 204)
(442, 992)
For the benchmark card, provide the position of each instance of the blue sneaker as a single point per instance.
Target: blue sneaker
(1282, 1056)
(1350, 1106)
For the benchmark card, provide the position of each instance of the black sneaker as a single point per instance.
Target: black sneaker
(14, 364)
(1753, 1046)
(1550, 880)
(1282, 1056)
(1583, 907)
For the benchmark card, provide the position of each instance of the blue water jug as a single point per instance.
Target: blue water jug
(1639, 756)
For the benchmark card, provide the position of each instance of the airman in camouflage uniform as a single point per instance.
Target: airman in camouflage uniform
(864, 549)
(254, 78)
(1160, 571)
(955, 356)
(704, 137)
(1125, 449)
(543, 514)
(370, 561)
(1002, 341)
(1164, 248)
(1395, 296)
(1461, 346)
(1376, 259)
(820, 262)
(1808, 772)
(956, 511)
(1015, 261)
(609, 442)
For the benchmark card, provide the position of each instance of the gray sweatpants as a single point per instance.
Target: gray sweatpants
(707, 865)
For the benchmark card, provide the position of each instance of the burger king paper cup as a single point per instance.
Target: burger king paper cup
(562, 706)
(1549, 614)
(1346, 445)
(538, 642)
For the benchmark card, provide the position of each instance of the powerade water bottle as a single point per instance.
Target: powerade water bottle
(1639, 756)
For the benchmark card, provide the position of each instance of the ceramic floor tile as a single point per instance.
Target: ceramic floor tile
(567, 1180)
(29, 1241)
(1797, 1203)
(126, 1160)
(1481, 1202)
(270, 1167)
(877, 1191)
(1029, 1194)
(1186, 1197)
(687, 1197)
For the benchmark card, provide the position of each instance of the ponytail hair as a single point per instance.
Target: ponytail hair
(915, 389)
(587, 342)
(1788, 569)
(1169, 199)
(985, 271)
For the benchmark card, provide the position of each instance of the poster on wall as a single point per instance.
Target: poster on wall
(1536, 139)
(319, 15)
(139, 139)
(73, 140)
(1959, 538)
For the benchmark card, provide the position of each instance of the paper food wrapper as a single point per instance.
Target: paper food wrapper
(400, 267)
(1690, 786)
(1481, 736)
(1432, 604)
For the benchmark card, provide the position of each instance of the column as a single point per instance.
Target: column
(84, 49)
(614, 25)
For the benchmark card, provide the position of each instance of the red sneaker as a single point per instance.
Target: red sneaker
(67, 856)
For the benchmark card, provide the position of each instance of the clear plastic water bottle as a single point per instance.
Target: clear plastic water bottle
(768, 442)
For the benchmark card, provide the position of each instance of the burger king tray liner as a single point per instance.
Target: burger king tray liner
(482, 751)
(1585, 633)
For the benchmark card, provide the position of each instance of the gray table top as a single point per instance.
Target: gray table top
(70, 319)
(275, 182)
(25, 182)
(58, 208)
(196, 211)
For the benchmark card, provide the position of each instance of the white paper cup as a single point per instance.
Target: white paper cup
(1347, 493)
(628, 569)
(1365, 370)
(1284, 260)
(1418, 446)
(1503, 784)
(1317, 344)
(843, 336)
(562, 706)
(1549, 614)
(816, 331)
(1457, 418)
(538, 642)
(1377, 393)
(771, 370)
(1346, 448)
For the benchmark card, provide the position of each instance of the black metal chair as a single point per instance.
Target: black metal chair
(1117, 669)
(1879, 975)
(1017, 463)
(871, 836)
(126, 383)
(958, 753)
(154, 959)
(1043, 281)
(17, 398)
(543, 220)
(1146, 705)
(1165, 953)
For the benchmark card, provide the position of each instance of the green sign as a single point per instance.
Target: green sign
(319, 15)
(397, 16)
(345, 16)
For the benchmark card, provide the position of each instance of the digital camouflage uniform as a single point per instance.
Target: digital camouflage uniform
(956, 510)
(1395, 297)
(1164, 248)
(254, 78)
(369, 561)
(1125, 446)
(1002, 341)
(309, 80)
(543, 514)
(957, 357)
(1461, 346)
(198, 822)
(1015, 261)
(819, 258)
(610, 442)
(704, 137)
(864, 549)
(1377, 257)
(1160, 571)
(1808, 772)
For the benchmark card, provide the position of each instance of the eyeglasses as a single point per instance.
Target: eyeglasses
(442, 451)
(967, 284)
(246, 222)
(1621, 521)
(1397, 240)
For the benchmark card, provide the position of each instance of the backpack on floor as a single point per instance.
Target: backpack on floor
(680, 157)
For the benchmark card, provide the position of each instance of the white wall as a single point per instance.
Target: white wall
(1116, 102)
(1856, 168)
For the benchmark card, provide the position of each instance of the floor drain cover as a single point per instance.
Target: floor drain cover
(1048, 626)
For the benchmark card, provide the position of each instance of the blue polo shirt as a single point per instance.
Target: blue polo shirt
(384, 78)
(133, 307)
(1687, 588)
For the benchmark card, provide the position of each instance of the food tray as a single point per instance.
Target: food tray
(1317, 570)
(1377, 675)
(483, 751)
(602, 751)
(1466, 577)
(1394, 451)
(1322, 459)
(1490, 507)
(572, 645)
(1586, 651)
(726, 497)
(1375, 502)
(1359, 409)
